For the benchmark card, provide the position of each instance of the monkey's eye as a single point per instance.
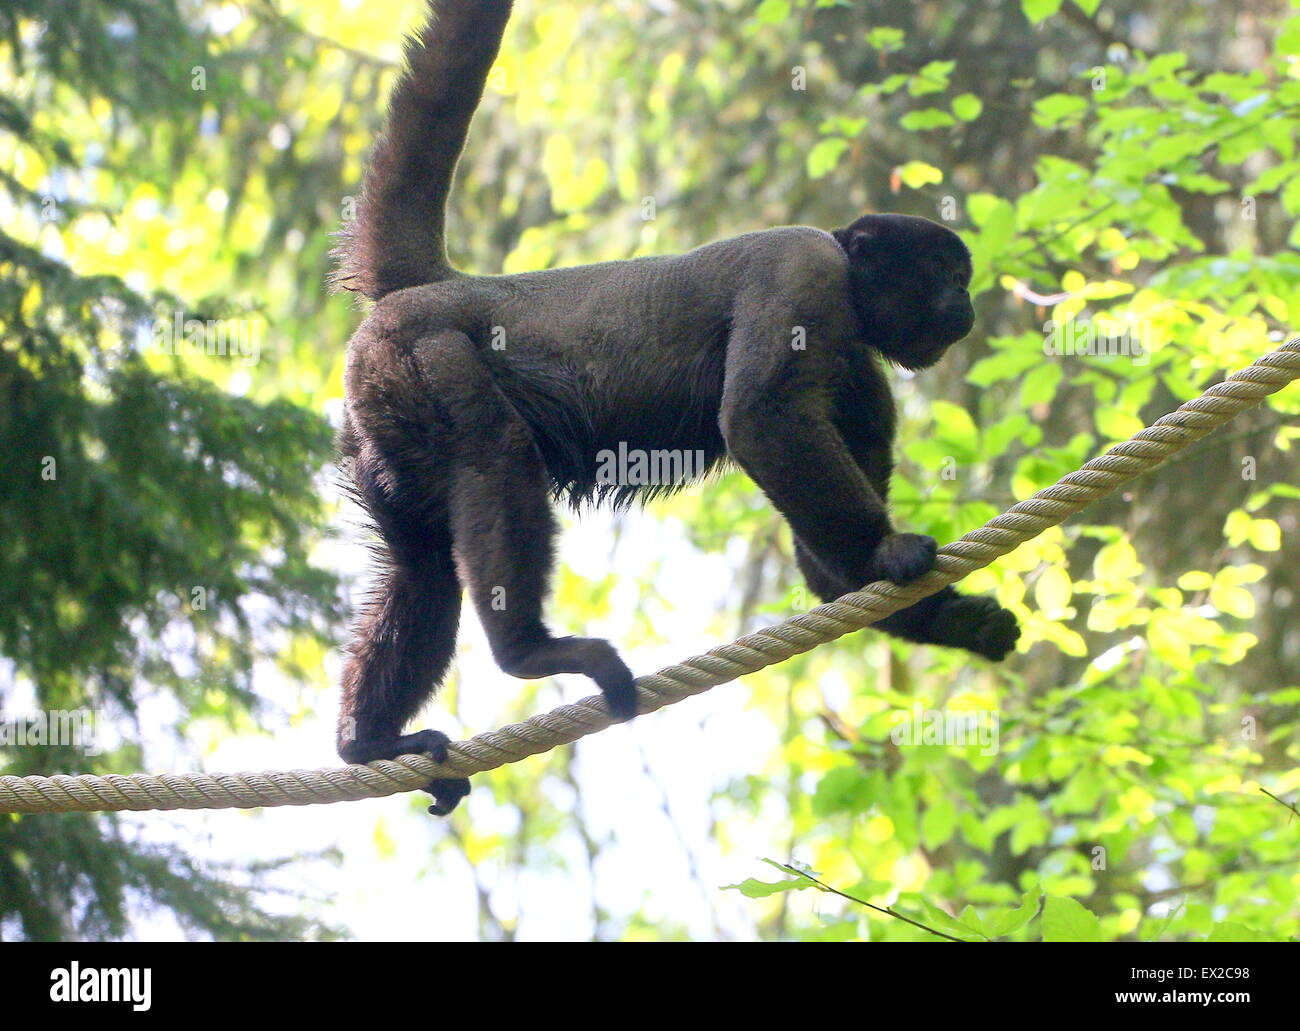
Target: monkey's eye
(958, 278)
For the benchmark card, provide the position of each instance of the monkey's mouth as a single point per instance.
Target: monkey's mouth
(955, 324)
(920, 358)
(950, 332)
(926, 352)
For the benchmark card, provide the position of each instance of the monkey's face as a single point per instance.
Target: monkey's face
(908, 278)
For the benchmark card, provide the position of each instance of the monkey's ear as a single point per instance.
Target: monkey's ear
(856, 242)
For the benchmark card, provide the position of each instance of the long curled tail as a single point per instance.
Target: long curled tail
(397, 238)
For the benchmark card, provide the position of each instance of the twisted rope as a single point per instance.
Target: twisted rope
(1142, 453)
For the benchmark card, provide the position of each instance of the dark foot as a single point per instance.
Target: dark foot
(367, 750)
(901, 557)
(955, 620)
(986, 628)
(446, 794)
(619, 689)
(589, 656)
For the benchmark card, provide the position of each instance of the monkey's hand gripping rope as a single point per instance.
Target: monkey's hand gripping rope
(1140, 454)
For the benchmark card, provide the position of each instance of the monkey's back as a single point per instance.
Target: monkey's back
(616, 355)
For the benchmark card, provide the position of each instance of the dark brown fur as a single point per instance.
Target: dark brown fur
(474, 401)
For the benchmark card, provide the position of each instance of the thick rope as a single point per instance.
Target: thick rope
(1027, 519)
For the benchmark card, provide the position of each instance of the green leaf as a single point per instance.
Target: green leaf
(1232, 600)
(1002, 365)
(1058, 107)
(997, 229)
(1230, 932)
(1039, 386)
(998, 437)
(938, 823)
(1039, 10)
(1066, 920)
(917, 174)
(1054, 590)
(1164, 65)
(933, 78)
(929, 118)
(886, 38)
(844, 788)
(1116, 423)
(982, 205)
(967, 107)
(953, 421)
(1270, 179)
(1288, 37)
(1001, 922)
(893, 83)
(756, 889)
(1199, 182)
(1265, 535)
(772, 12)
(825, 156)
(926, 912)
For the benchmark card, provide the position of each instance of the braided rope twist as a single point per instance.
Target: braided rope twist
(1141, 453)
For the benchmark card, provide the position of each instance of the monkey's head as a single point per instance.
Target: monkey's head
(908, 278)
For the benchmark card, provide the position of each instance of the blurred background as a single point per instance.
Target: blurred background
(177, 565)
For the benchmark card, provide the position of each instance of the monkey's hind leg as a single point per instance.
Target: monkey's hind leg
(503, 529)
(404, 644)
(430, 407)
(406, 635)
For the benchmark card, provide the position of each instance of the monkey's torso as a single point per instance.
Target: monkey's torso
(633, 354)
